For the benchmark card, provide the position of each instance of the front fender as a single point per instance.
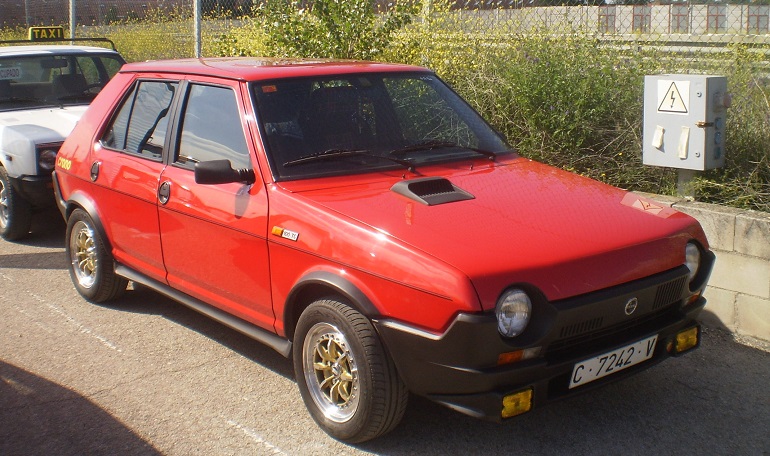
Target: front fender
(317, 284)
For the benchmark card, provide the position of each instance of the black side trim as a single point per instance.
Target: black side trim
(279, 344)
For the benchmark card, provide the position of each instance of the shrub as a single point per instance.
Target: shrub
(346, 29)
(574, 102)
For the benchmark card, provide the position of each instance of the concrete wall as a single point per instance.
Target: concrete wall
(738, 293)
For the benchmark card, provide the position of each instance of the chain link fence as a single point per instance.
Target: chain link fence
(145, 29)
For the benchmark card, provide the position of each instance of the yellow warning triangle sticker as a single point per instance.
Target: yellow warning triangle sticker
(672, 101)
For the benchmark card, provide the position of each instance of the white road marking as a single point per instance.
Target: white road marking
(76, 324)
(256, 437)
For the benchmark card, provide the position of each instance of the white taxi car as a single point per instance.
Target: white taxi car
(44, 89)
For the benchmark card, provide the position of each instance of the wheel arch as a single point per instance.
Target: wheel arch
(320, 284)
(79, 200)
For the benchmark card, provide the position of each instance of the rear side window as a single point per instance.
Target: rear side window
(141, 123)
(211, 128)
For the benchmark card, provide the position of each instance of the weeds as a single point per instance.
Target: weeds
(563, 98)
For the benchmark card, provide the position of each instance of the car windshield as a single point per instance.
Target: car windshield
(28, 82)
(358, 123)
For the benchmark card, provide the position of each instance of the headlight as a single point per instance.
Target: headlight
(47, 159)
(513, 311)
(692, 259)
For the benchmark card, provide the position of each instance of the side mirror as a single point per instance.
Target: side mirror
(221, 172)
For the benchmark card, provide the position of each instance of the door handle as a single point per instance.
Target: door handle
(95, 170)
(164, 192)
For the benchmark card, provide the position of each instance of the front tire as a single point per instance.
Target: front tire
(91, 265)
(347, 380)
(15, 211)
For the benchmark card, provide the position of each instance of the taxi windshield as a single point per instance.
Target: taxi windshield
(28, 82)
(348, 124)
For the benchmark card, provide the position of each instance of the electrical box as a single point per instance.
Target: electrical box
(684, 121)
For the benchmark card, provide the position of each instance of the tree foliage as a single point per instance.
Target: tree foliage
(346, 29)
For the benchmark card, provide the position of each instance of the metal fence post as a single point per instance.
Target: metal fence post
(73, 19)
(197, 21)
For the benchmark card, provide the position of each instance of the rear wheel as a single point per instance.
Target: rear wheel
(347, 380)
(15, 211)
(91, 264)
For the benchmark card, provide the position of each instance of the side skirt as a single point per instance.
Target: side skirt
(279, 344)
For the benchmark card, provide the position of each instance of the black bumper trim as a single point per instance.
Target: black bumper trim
(37, 190)
(459, 367)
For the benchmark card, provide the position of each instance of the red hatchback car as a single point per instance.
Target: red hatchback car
(364, 220)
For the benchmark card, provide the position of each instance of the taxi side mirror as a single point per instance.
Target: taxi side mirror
(221, 172)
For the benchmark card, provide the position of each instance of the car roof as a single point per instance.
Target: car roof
(264, 68)
(52, 49)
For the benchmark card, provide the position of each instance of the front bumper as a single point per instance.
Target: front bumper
(37, 190)
(459, 368)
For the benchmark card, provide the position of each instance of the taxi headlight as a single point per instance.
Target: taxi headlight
(47, 159)
(692, 259)
(513, 312)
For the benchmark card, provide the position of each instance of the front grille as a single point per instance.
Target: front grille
(669, 292)
(598, 332)
(580, 328)
(588, 342)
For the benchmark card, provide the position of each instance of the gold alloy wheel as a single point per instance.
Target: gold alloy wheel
(83, 254)
(330, 372)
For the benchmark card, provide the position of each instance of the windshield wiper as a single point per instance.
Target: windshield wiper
(336, 153)
(437, 144)
(422, 145)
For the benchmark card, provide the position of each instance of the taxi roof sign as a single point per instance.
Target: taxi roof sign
(46, 33)
(55, 33)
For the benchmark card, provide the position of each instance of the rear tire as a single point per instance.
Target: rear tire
(15, 211)
(92, 267)
(347, 380)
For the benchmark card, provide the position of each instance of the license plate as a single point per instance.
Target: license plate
(611, 362)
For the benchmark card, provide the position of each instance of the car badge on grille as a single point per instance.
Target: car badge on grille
(631, 306)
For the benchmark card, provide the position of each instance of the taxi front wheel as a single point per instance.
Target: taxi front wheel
(347, 380)
(15, 212)
(91, 265)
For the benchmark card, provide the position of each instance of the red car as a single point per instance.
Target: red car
(364, 220)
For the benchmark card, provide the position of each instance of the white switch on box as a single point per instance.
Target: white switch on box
(657, 138)
(684, 143)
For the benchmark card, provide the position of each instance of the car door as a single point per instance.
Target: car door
(214, 236)
(128, 161)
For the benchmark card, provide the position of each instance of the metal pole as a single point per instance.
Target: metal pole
(73, 19)
(197, 26)
(685, 184)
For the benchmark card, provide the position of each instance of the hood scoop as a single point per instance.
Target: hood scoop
(431, 191)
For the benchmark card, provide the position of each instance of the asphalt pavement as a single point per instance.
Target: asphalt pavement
(146, 376)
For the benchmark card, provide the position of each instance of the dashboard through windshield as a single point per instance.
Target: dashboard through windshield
(359, 123)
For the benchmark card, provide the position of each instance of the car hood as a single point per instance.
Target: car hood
(40, 126)
(525, 223)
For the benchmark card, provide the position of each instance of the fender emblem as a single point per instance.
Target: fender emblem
(631, 306)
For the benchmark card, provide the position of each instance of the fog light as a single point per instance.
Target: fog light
(687, 339)
(517, 403)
